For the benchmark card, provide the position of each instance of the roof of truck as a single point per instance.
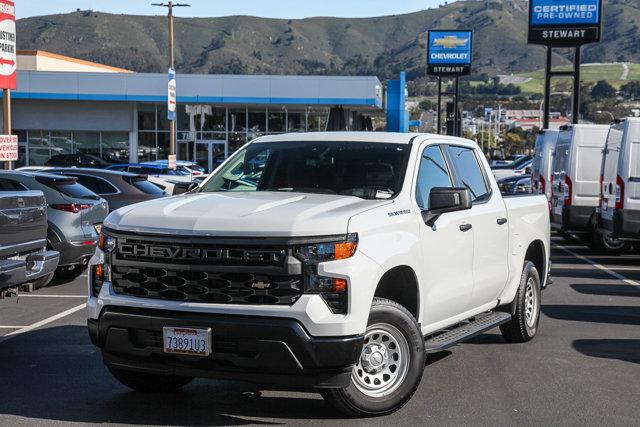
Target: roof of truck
(381, 137)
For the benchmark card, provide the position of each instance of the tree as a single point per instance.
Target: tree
(631, 90)
(603, 90)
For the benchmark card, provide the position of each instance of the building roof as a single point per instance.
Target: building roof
(361, 91)
(62, 63)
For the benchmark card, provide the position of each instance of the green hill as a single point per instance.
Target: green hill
(381, 46)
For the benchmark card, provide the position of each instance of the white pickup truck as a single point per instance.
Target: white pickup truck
(335, 261)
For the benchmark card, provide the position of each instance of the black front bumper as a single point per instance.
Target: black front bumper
(270, 351)
(574, 219)
(624, 225)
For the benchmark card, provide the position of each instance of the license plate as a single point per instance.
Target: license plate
(189, 341)
(98, 228)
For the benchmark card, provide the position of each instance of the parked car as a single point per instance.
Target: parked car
(519, 184)
(23, 239)
(576, 179)
(75, 215)
(519, 167)
(541, 166)
(620, 184)
(189, 167)
(319, 260)
(76, 160)
(156, 170)
(117, 188)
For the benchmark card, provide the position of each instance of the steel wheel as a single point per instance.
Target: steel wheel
(384, 361)
(531, 303)
(613, 244)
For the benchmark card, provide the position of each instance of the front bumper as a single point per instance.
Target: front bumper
(16, 272)
(265, 350)
(624, 225)
(573, 219)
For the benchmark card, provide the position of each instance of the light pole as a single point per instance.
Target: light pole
(172, 123)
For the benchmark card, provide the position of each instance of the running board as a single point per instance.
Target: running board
(465, 332)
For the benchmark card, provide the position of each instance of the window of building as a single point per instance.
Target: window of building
(469, 172)
(257, 123)
(147, 146)
(317, 119)
(162, 152)
(296, 121)
(146, 117)
(433, 173)
(115, 147)
(87, 143)
(277, 120)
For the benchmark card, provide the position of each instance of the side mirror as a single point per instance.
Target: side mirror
(445, 199)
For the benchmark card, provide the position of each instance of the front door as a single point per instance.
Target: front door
(447, 247)
(488, 216)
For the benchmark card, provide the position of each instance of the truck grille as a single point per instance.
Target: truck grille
(206, 286)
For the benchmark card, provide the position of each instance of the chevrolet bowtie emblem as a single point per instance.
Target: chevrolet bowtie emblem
(449, 42)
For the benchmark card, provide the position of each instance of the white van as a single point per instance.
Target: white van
(541, 168)
(620, 201)
(576, 178)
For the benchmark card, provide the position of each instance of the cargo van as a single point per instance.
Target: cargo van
(620, 198)
(576, 178)
(541, 168)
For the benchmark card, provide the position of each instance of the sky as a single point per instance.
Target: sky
(205, 8)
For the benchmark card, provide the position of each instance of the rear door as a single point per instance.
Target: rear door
(609, 171)
(536, 165)
(588, 148)
(560, 164)
(630, 170)
(488, 216)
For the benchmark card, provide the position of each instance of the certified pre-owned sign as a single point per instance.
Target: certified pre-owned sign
(449, 53)
(564, 23)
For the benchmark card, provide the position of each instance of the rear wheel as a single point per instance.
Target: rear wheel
(149, 383)
(390, 366)
(69, 272)
(43, 281)
(524, 324)
(607, 244)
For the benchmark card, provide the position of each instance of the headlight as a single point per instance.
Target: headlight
(329, 251)
(333, 291)
(106, 243)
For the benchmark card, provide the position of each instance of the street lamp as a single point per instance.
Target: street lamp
(172, 123)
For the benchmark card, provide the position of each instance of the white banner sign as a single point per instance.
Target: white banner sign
(8, 148)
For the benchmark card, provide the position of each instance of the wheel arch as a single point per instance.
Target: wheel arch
(536, 253)
(400, 284)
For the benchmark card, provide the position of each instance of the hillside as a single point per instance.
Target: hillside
(381, 46)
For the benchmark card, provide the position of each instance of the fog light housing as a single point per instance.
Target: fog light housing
(106, 243)
(100, 273)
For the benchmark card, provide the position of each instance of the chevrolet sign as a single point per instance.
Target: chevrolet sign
(449, 53)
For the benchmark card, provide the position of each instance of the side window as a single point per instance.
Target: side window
(469, 172)
(433, 173)
(6, 185)
(97, 185)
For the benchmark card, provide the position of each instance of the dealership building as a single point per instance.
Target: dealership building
(67, 106)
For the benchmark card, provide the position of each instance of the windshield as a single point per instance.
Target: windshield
(360, 169)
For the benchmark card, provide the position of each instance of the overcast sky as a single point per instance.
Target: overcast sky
(267, 8)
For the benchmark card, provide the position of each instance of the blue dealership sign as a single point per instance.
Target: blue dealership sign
(565, 12)
(449, 52)
(564, 23)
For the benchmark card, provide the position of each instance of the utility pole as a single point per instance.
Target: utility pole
(172, 123)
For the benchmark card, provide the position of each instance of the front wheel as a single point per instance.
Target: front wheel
(524, 324)
(390, 366)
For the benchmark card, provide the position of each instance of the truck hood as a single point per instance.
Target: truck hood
(259, 214)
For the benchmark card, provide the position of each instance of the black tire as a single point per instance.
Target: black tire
(42, 282)
(69, 272)
(600, 243)
(149, 383)
(394, 320)
(524, 324)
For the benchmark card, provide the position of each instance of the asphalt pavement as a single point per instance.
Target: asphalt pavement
(583, 368)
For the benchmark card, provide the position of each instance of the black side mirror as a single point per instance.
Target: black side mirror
(445, 199)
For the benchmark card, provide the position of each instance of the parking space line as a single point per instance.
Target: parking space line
(50, 296)
(42, 323)
(600, 267)
(11, 327)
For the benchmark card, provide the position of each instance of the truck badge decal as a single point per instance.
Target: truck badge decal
(398, 213)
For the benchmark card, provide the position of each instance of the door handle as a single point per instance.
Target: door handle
(466, 227)
(502, 221)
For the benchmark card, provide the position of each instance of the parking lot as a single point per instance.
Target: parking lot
(582, 368)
